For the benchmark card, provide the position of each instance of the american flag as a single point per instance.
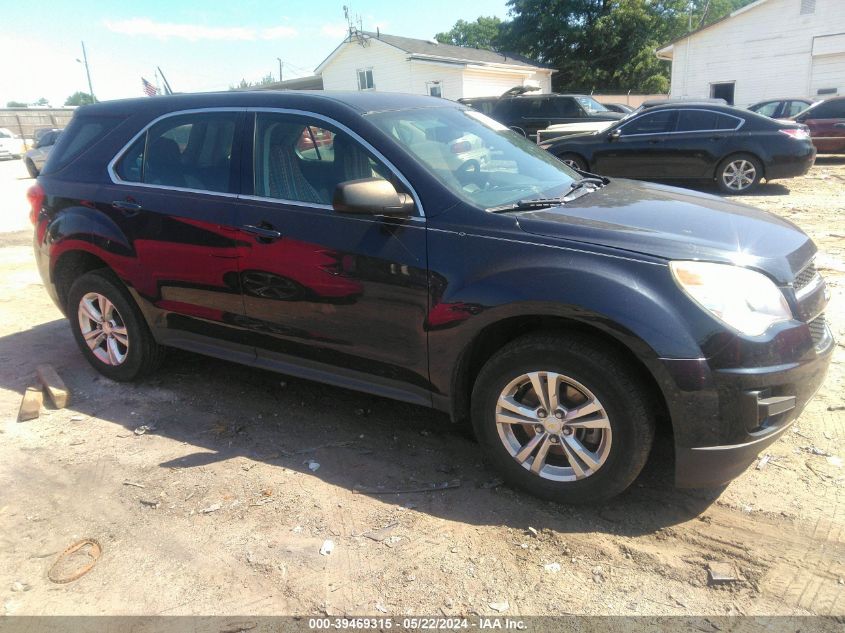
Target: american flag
(149, 89)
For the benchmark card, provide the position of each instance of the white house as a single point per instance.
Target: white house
(377, 61)
(767, 49)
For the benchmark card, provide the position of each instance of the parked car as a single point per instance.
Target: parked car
(529, 113)
(35, 158)
(826, 121)
(781, 108)
(684, 101)
(563, 315)
(735, 147)
(618, 107)
(568, 129)
(11, 145)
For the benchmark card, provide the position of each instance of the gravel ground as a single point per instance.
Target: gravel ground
(219, 509)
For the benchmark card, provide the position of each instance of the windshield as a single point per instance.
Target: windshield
(477, 158)
(591, 105)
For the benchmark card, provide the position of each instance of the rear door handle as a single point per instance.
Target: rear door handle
(262, 232)
(125, 205)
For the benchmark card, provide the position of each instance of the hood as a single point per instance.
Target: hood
(673, 223)
(605, 116)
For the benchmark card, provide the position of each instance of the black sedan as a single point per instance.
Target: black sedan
(735, 147)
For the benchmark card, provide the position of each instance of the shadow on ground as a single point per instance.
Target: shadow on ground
(222, 411)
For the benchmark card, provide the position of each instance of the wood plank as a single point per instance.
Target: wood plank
(55, 386)
(31, 403)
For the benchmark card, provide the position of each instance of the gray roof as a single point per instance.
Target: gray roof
(425, 48)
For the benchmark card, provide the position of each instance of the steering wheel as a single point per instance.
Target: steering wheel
(468, 171)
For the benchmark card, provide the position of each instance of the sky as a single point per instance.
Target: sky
(200, 45)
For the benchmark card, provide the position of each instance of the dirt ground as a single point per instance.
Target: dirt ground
(220, 509)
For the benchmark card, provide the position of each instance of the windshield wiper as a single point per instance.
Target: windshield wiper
(584, 185)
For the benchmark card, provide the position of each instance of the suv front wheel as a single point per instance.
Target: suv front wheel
(109, 328)
(563, 418)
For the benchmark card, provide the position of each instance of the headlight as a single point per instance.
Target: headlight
(743, 299)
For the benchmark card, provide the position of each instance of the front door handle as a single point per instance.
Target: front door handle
(126, 205)
(261, 232)
(840, 125)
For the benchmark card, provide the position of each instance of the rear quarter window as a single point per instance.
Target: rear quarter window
(82, 133)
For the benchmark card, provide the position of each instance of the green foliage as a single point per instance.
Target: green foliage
(593, 44)
(16, 104)
(482, 33)
(42, 102)
(79, 98)
(243, 84)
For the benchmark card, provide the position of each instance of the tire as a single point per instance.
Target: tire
(743, 170)
(589, 373)
(574, 161)
(125, 349)
(31, 168)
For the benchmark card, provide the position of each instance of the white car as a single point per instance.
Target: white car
(567, 129)
(11, 145)
(37, 156)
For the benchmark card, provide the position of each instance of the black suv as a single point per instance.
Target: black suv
(529, 113)
(357, 239)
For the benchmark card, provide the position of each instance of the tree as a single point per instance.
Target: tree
(246, 85)
(43, 101)
(483, 33)
(79, 98)
(16, 104)
(605, 44)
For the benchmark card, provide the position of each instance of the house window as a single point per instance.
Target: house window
(365, 79)
(434, 89)
(808, 7)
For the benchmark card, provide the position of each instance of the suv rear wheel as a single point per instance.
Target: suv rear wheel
(109, 328)
(563, 418)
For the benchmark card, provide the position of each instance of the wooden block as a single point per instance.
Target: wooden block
(31, 403)
(55, 386)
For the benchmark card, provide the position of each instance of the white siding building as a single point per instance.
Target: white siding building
(376, 61)
(767, 49)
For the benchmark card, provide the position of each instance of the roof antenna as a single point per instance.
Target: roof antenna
(378, 32)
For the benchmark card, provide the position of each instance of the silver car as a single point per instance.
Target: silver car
(37, 156)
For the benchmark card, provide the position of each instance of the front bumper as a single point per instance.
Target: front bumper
(729, 415)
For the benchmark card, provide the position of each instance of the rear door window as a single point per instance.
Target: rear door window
(696, 121)
(190, 151)
(654, 123)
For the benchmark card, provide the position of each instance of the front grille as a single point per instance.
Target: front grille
(803, 278)
(817, 329)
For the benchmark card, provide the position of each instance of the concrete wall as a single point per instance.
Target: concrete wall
(769, 51)
(24, 121)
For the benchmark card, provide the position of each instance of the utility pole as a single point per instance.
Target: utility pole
(281, 63)
(88, 73)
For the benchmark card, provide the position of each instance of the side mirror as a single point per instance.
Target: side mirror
(615, 134)
(371, 196)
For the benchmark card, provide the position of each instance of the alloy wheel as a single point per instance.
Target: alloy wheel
(553, 426)
(103, 329)
(739, 174)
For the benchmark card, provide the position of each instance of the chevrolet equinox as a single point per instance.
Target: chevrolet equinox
(340, 237)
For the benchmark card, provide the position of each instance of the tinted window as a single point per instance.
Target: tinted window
(655, 123)
(304, 160)
(192, 151)
(564, 107)
(696, 121)
(766, 109)
(82, 133)
(829, 110)
(130, 166)
(727, 122)
(794, 107)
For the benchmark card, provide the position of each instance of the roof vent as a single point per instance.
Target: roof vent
(808, 7)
